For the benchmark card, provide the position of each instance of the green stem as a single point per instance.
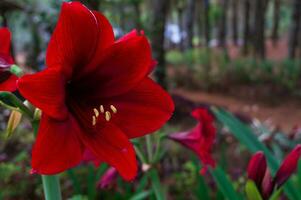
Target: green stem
(51, 186)
(149, 148)
(141, 156)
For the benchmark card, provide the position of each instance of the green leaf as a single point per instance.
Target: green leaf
(10, 101)
(224, 184)
(142, 183)
(252, 191)
(202, 190)
(141, 195)
(91, 182)
(156, 185)
(276, 195)
(246, 136)
(75, 181)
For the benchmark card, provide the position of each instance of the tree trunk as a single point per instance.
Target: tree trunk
(246, 34)
(36, 41)
(92, 4)
(207, 26)
(276, 20)
(136, 5)
(4, 19)
(259, 29)
(180, 24)
(199, 21)
(159, 14)
(295, 29)
(222, 31)
(235, 21)
(188, 22)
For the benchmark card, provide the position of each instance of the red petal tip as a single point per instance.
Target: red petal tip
(288, 166)
(257, 168)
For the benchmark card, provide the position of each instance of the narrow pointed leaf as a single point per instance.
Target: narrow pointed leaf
(252, 191)
(224, 184)
(156, 185)
(276, 195)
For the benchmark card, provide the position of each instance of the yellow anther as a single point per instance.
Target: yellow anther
(96, 112)
(113, 108)
(102, 110)
(108, 116)
(93, 120)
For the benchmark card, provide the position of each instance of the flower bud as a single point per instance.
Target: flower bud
(257, 168)
(288, 166)
(13, 122)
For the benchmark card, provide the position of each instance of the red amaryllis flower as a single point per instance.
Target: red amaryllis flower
(200, 139)
(95, 94)
(260, 174)
(7, 79)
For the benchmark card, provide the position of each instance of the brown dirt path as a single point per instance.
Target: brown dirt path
(285, 115)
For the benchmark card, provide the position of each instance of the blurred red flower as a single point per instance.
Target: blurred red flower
(95, 94)
(108, 178)
(260, 174)
(7, 79)
(200, 139)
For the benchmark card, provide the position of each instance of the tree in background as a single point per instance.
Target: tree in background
(189, 21)
(235, 21)
(136, 4)
(295, 29)
(180, 9)
(207, 26)
(159, 15)
(246, 27)
(259, 29)
(199, 20)
(276, 20)
(222, 28)
(92, 4)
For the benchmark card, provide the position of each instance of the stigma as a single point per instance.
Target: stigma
(102, 112)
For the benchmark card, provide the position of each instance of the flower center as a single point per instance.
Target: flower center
(101, 111)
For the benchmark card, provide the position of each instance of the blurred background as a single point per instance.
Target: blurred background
(244, 55)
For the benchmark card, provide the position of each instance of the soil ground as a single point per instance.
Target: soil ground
(285, 115)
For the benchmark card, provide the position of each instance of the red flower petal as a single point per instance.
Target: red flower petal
(142, 110)
(200, 139)
(257, 168)
(10, 84)
(45, 90)
(111, 145)
(105, 40)
(5, 39)
(267, 185)
(74, 40)
(57, 147)
(288, 166)
(122, 67)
